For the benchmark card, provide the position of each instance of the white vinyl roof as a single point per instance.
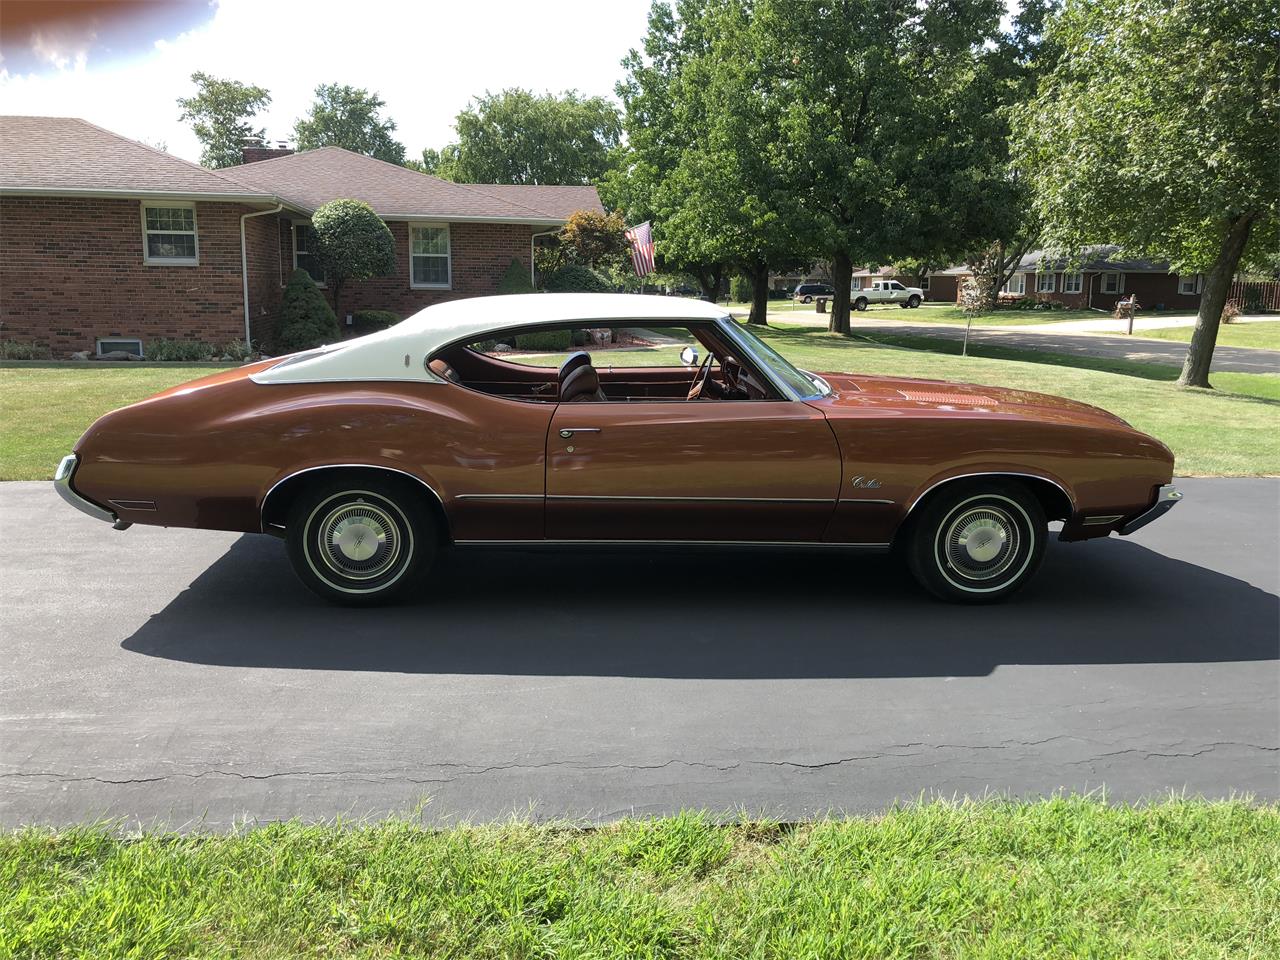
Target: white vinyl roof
(400, 352)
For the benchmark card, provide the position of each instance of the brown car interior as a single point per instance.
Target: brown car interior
(720, 376)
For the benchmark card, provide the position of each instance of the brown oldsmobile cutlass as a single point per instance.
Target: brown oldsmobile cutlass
(587, 419)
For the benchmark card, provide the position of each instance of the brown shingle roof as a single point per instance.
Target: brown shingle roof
(68, 155)
(558, 202)
(314, 177)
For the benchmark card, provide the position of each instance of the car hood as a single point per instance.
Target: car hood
(854, 395)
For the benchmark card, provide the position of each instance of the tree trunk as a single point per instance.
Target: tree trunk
(709, 280)
(1195, 370)
(841, 278)
(759, 293)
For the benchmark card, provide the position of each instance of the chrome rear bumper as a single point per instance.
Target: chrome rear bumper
(1166, 499)
(62, 483)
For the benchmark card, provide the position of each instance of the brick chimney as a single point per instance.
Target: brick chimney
(251, 151)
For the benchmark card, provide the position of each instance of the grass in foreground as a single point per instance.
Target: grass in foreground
(1058, 878)
(1264, 334)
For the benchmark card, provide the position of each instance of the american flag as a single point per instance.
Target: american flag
(641, 240)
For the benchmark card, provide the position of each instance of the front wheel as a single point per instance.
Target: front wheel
(359, 542)
(977, 542)
(913, 301)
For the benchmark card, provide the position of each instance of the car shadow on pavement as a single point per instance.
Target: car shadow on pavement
(714, 614)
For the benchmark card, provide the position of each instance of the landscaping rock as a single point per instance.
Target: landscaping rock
(117, 355)
(78, 355)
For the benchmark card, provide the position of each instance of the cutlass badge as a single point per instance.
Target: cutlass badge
(866, 483)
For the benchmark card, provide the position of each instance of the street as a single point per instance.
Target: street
(185, 678)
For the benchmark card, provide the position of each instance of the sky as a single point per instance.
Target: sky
(123, 63)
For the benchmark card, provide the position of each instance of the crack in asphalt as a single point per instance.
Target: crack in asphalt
(893, 751)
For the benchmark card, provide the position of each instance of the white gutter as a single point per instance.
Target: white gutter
(244, 265)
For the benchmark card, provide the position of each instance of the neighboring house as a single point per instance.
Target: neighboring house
(1098, 279)
(106, 243)
(937, 285)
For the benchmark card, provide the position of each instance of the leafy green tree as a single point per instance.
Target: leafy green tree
(1157, 129)
(894, 137)
(353, 244)
(440, 163)
(665, 116)
(517, 136)
(306, 320)
(350, 118)
(220, 114)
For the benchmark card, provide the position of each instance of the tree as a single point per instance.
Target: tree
(440, 163)
(517, 136)
(1157, 130)
(894, 137)
(353, 243)
(349, 118)
(306, 320)
(664, 118)
(220, 115)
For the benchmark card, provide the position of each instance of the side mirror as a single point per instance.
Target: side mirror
(688, 356)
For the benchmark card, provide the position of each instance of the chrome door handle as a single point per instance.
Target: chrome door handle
(567, 432)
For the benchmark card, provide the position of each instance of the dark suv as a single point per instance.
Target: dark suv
(807, 291)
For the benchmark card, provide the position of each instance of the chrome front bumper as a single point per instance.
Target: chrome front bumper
(62, 483)
(1166, 499)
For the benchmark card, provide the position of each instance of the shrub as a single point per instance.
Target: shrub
(164, 349)
(21, 350)
(1253, 300)
(516, 279)
(740, 289)
(1230, 311)
(550, 340)
(306, 319)
(576, 279)
(353, 243)
(371, 321)
(237, 350)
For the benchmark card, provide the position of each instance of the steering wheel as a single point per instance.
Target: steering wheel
(700, 378)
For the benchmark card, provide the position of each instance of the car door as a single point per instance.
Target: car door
(713, 470)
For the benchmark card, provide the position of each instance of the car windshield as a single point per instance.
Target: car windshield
(797, 381)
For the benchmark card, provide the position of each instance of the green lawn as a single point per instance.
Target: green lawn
(1063, 878)
(1230, 431)
(932, 313)
(1264, 334)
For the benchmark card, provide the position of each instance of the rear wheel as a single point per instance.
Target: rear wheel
(360, 541)
(860, 303)
(977, 542)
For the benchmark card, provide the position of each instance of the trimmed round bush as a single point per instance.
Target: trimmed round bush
(306, 319)
(576, 279)
(371, 321)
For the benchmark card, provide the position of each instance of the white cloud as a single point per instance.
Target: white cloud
(426, 59)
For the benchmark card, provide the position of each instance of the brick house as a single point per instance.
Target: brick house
(106, 243)
(1096, 280)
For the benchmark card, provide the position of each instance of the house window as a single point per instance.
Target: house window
(924, 282)
(1016, 285)
(1045, 282)
(304, 251)
(169, 234)
(1072, 282)
(1113, 283)
(130, 345)
(1189, 285)
(429, 263)
(856, 283)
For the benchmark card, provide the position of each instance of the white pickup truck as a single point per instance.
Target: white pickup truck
(886, 291)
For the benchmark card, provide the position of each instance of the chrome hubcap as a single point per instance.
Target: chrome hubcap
(358, 540)
(981, 543)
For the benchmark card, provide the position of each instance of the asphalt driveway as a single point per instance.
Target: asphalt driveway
(184, 677)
